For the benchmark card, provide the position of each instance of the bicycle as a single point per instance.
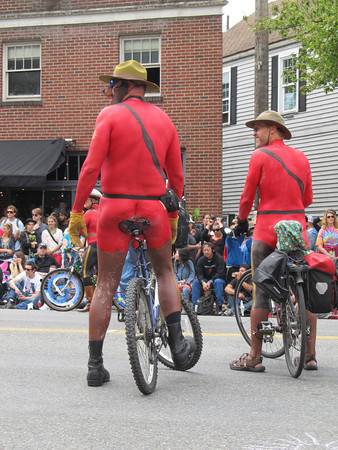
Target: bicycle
(285, 331)
(63, 289)
(146, 330)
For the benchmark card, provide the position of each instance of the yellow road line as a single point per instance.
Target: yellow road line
(120, 332)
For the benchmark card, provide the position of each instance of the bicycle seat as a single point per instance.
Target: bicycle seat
(135, 226)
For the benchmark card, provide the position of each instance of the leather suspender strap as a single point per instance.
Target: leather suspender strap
(291, 174)
(132, 197)
(147, 140)
(279, 211)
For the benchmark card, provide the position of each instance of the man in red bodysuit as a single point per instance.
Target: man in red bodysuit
(118, 150)
(90, 258)
(285, 190)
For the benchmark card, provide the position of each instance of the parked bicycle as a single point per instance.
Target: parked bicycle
(146, 329)
(63, 289)
(285, 331)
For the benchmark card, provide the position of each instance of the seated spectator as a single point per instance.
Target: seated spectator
(194, 243)
(25, 289)
(28, 239)
(63, 220)
(217, 238)
(327, 240)
(17, 225)
(17, 265)
(44, 262)
(7, 242)
(39, 224)
(53, 237)
(311, 233)
(245, 296)
(210, 275)
(184, 271)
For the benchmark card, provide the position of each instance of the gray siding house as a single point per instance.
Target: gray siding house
(312, 118)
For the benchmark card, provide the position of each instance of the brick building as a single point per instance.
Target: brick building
(53, 52)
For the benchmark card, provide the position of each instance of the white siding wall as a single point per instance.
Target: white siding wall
(315, 131)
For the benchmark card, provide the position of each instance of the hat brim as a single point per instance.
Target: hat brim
(151, 87)
(284, 130)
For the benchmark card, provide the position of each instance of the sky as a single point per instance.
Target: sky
(236, 9)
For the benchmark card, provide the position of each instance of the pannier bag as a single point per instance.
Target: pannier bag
(270, 276)
(205, 305)
(321, 297)
(321, 292)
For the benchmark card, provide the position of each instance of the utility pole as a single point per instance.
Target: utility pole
(261, 60)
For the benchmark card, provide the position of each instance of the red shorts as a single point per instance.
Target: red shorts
(264, 229)
(113, 211)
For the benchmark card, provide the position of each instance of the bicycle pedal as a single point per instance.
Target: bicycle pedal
(266, 327)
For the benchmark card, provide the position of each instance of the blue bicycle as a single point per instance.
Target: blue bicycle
(146, 330)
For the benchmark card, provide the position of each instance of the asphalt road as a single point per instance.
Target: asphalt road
(46, 404)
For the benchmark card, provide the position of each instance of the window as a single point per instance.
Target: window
(226, 97)
(145, 50)
(69, 170)
(22, 72)
(289, 85)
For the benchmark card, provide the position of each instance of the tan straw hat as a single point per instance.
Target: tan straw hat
(133, 71)
(272, 118)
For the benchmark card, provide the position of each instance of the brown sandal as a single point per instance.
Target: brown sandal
(309, 359)
(246, 363)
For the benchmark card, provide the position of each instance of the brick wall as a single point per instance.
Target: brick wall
(72, 58)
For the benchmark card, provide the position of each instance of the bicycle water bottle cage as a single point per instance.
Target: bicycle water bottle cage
(135, 226)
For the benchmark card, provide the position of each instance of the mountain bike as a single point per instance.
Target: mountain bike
(286, 329)
(63, 289)
(146, 330)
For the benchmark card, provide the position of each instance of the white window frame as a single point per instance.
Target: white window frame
(228, 71)
(282, 57)
(146, 65)
(5, 78)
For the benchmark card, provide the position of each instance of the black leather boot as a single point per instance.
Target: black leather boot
(182, 348)
(97, 374)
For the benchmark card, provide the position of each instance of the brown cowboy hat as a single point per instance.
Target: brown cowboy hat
(133, 71)
(271, 118)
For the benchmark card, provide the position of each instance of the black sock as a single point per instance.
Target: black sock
(174, 317)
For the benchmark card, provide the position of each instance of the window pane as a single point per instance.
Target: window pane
(137, 45)
(27, 63)
(154, 56)
(36, 63)
(11, 52)
(19, 52)
(27, 51)
(73, 169)
(155, 45)
(24, 83)
(36, 51)
(225, 106)
(153, 74)
(127, 56)
(145, 57)
(11, 64)
(145, 45)
(225, 117)
(289, 98)
(19, 64)
(127, 46)
(82, 160)
(225, 77)
(137, 56)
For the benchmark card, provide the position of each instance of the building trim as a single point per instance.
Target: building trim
(99, 16)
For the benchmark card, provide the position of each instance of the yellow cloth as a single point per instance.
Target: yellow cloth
(173, 225)
(77, 228)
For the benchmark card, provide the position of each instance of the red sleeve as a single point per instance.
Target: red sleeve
(250, 187)
(97, 152)
(308, 195)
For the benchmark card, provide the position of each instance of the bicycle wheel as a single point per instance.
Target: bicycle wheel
(190, 327)
(140, 337)
(294, 329)
(273, 346)
(62, 290)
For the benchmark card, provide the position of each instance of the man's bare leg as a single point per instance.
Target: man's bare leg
(182, 349)
(110, 268)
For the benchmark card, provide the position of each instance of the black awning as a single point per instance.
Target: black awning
(26, 163)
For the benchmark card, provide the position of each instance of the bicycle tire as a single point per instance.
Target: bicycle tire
(269, 350)
(191, 327)
(54, 297)
(295, 364)
(143, 360)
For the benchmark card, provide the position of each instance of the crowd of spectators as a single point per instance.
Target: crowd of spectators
(211, 263)
(216, 256)
(28, 251)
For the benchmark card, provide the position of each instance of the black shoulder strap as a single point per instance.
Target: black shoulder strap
(281, 162)
(147, 140)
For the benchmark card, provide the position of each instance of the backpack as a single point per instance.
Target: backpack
(182, 229)
(270, 275)
(205, 305)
